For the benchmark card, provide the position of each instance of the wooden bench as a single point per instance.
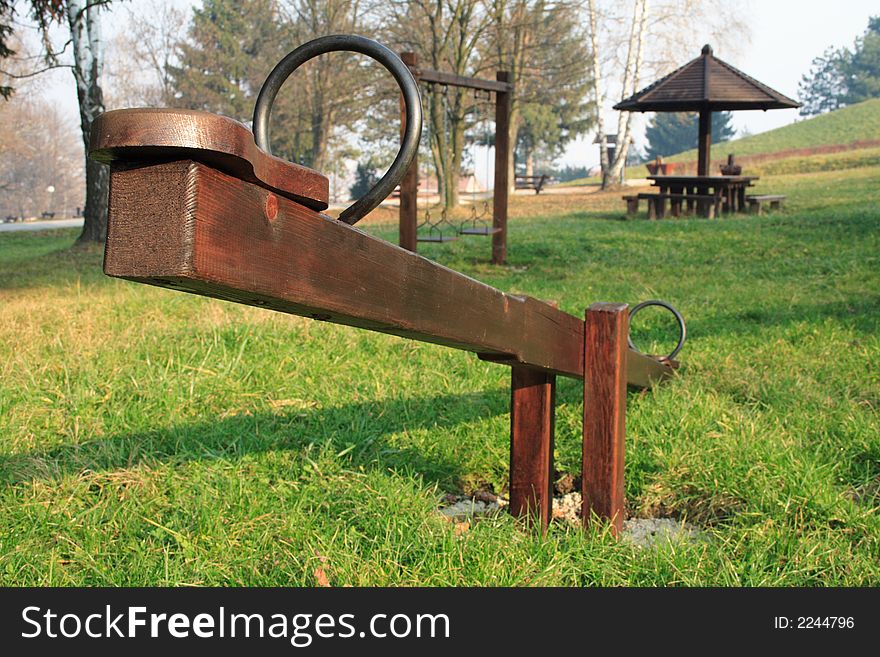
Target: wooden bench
(632, 204)
(47, 215)
(756, 202)
(708, 205)
(531, 182)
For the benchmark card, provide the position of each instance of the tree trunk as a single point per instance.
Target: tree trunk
(95, 213)
(599, 94)
(632, 75)
(88, 64)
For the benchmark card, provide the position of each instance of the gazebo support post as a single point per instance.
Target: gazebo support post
(704, 142)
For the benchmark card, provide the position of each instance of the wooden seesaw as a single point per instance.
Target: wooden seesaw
(197, 204)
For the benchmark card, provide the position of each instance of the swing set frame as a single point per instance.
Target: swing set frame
(503, 89)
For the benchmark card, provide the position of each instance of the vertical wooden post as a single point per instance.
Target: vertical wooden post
(704, 142)
(606, 330)
(409, 185)
(503, 101)
(532, 419)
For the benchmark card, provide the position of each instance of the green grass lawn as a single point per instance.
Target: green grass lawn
(155, 438)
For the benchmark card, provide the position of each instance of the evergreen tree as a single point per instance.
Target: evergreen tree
(365, 178)
(843, 77)
(226, 56)
(863, 68)
(230, 49)
(823, 88)
(669, 133)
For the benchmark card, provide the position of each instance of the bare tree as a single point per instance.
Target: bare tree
(82, 19)
(541, 43)
(40, 160)
(140, 57)
(445, 34)
(329, 87)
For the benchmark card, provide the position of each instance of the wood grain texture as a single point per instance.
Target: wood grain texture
(453, 80)
(607, 326)
(150, 135)
(532, 423)
(307, 264)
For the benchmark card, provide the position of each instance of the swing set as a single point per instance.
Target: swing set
(484, 223)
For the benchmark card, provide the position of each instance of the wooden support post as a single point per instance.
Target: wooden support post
(502, 170)
(409, 185)
(704, 142)
(532, 404)
(605, 350)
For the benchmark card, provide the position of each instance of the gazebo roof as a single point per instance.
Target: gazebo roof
(706, 83)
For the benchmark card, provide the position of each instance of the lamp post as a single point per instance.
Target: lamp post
(51, 191)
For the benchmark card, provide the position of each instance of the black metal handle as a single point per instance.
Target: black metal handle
(670, 308)
(408, 86)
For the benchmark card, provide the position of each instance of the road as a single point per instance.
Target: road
(41, 225)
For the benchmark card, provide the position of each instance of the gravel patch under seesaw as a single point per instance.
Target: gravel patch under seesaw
(642, 532)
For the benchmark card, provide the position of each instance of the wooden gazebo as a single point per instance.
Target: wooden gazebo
(705, 85)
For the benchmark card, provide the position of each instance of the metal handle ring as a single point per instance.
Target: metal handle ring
(408, 87)
(670, 308)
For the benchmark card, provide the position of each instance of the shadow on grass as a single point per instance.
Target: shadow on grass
(363, 430)
(860, 313)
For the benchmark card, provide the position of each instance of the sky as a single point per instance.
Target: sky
(786, 36)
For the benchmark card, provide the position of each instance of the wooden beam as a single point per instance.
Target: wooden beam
(409, 186)
(502, 172)
(704, 142)
(453, 80)
(532, 419)
(607, 326)
(214, 235)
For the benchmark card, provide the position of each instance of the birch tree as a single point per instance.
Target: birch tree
(635, 48)
(83, 20)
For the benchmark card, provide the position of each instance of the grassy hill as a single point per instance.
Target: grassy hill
(859, 122)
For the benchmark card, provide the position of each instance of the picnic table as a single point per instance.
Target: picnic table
(709, 195)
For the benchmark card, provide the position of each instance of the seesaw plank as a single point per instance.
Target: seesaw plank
(187, 226)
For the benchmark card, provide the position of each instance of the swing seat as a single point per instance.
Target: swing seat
(436, 238)
(482, 231)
